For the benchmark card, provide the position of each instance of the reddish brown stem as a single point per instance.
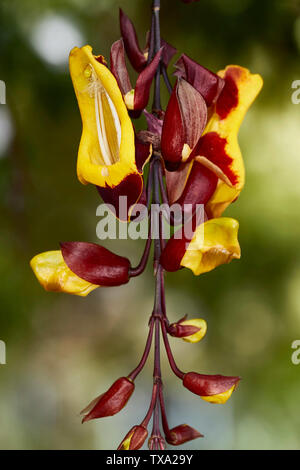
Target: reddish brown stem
(145, 355)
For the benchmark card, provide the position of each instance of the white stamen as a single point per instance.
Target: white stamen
(116, 118)
(99, 118)
(95, 90)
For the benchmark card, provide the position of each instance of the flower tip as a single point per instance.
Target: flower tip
(181, 434)
(110, 402)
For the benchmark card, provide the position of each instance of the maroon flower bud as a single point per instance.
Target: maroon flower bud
(212, 388)
(192, 330)
(95, 264)
(184, 122)
(181, 434)
(110, 402)
(206, 82)
(134, 439)
(136, 57)
(135, 99)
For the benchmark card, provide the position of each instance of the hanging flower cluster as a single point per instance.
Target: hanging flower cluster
(192, 157)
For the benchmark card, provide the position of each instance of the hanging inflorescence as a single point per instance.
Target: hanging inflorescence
(193, 162)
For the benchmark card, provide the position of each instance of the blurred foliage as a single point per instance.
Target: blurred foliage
(62, 351)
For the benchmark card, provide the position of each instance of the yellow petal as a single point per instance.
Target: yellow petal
(248, 86)
(215, 242)
(55, 276)
(107, 152)
(220, 398)
(199, 323)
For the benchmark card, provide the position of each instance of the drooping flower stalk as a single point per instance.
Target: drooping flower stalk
(194, 160)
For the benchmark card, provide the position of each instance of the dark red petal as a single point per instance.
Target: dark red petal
(177, 245)
(173, 253)
(168, 52)
(95, 264)
(200, 186)
(112, 401)
(184, 121)
(144, 81)
(229, 97)
(193, 112)
(176, 181)
(129, 190)
(181, 434)
(206, 82)
(118, 66)
(213, 147)
(173, 132)
(134, 53)
(207, 385)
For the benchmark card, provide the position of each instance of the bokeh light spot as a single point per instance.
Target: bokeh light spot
(53, 37)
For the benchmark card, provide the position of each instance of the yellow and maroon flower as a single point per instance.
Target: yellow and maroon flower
(213, 243)
(106, 155)
(192, 330)
(134, 439)
(110, 402)
(218, 148)
(212, 388)
(55, 276)
(80, 268)
(181, 434)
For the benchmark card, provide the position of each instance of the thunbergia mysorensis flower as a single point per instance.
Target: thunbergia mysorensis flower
(194, 161)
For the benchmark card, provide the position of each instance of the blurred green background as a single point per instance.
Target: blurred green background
(62, 351)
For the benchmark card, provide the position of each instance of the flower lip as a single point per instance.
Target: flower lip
(55, 276)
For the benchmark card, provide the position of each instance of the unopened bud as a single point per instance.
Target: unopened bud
(181, 434)
(110, 402)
